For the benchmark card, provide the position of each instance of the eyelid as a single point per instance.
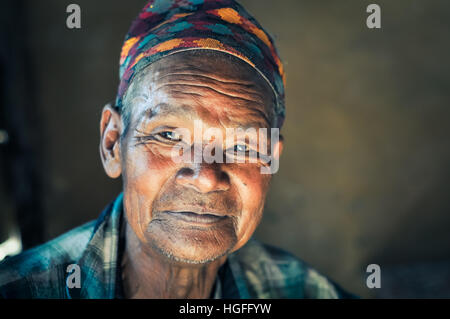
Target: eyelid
(249, 144)
(163, 128)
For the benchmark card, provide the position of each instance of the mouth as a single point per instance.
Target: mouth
(197, 218)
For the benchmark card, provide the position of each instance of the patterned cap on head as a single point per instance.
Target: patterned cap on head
(164, 27)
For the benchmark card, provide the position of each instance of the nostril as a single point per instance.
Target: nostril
(185, 176)
(224, 178)
(186, 172)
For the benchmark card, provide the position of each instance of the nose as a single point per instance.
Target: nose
(204, 178)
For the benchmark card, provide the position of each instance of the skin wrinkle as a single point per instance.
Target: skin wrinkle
(179, 84)
(195, 94)
(212, 77)
(165, 256)
(255, 97)
(231, 86)
(233, 91)
(192, 69)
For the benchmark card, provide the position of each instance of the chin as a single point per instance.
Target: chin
(192, 245)
(191, 259)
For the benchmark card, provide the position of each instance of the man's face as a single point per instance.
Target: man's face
(189, 211)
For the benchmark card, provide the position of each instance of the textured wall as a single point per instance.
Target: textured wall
(364, 175)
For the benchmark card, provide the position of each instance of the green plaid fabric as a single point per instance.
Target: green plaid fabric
(254, 271)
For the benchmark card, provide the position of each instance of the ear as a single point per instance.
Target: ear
(278, 147)
(110, 129)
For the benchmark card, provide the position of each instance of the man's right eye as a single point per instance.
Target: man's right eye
(170, 135)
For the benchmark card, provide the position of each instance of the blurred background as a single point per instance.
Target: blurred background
(365, 170)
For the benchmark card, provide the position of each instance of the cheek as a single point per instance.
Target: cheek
(145, 173)
(252, 187)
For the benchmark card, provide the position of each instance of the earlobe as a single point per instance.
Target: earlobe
(110, 130)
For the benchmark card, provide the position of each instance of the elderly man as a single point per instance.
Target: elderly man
(191, 201)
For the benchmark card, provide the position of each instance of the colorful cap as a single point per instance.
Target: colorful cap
(164, 27)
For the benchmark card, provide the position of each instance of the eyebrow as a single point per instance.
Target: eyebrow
(165, 109)
(263, 115)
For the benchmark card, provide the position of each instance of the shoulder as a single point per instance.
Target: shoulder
(39, 272)
(271, 272)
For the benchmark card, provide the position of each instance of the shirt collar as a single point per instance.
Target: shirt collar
(99, 261)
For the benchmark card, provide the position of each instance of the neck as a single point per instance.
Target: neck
(146, 273)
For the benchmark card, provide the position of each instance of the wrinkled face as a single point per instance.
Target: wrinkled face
(193, 211)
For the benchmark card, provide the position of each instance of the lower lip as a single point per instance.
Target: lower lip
(197, 218)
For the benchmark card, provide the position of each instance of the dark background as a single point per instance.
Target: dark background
(365, 171)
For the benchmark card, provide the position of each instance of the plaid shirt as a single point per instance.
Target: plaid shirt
(254, 271)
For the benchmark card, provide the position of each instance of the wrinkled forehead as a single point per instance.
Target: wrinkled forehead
(202, 84)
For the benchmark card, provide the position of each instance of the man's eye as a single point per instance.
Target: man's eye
(241, 148)
(172, 136)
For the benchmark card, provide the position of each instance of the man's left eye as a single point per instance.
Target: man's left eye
(241, 148)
